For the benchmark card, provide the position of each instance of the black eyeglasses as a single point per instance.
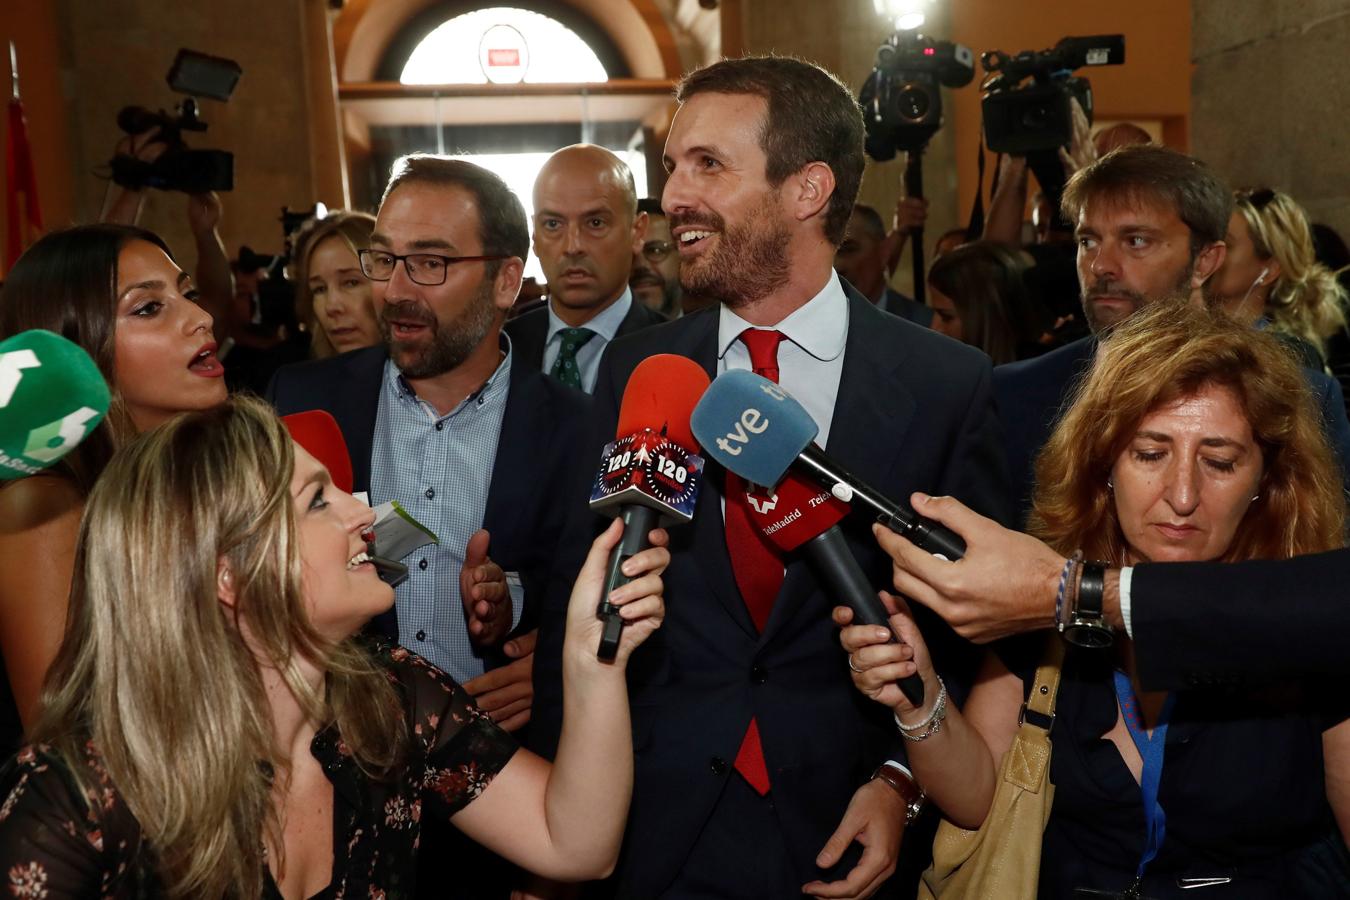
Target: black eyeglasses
(657, 250)
(426, 269)
(1257, 198)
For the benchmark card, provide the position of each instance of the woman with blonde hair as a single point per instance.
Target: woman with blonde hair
(1270, 274)
(1193, 437)
(214, 728)
(333, 295)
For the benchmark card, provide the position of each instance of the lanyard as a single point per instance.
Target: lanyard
(1151, 751)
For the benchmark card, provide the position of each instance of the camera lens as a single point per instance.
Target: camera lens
(913, 103)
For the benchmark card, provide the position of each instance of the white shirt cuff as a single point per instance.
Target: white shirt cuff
(1126, 576)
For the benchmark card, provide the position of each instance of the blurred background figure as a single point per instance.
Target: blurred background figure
(656, 270)
(979, 296)
(862, 261)
(333, 295)
(1270, 275)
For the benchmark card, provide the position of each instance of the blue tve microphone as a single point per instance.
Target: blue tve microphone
(753, 427)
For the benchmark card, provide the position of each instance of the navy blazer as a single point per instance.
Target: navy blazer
(537, 451)
(1247, 623)
(913, 412)
(1032, 394)
(529, 331)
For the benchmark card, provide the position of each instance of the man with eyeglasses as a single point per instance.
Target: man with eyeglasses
(587, 229)
(1150, 224)
(447, 421)
(656, 267)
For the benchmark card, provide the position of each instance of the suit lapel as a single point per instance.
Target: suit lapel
(709, 540)
(359, 409)
(525, 422)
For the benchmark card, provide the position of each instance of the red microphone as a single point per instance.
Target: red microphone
(317, 431)
(649, 474)
(798, 514)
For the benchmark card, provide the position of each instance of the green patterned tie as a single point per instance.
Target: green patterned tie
(565, 367)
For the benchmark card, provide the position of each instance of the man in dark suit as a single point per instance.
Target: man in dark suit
(1150, 224)
(861, 261)
(755, 760)
(587, 229)
(447, 422)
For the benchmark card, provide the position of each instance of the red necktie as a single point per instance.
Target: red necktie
(754, 562)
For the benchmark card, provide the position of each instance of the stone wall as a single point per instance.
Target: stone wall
(1271, 100)
(116, 53)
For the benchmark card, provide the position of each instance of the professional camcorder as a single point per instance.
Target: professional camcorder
(179, 168)
(901, 99)
(1025, 118)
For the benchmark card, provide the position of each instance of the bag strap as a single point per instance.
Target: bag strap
(1045, 687)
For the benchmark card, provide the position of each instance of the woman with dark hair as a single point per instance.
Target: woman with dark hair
(333, 295)
(1193, 437)
(116, 292)
(214, 728)
(978, 297)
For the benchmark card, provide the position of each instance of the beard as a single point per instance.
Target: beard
(1101, 321)
(749, 261)
(451, 342)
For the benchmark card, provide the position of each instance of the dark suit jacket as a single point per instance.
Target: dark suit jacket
(1202, 624)
(897, 304)
(1032, 394)
(529, 331)
(540, 439)
(913, 413)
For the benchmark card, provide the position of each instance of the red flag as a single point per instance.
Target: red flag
(21, 202)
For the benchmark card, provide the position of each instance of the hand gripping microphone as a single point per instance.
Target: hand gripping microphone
(317, 431)
(649, 473)
(799, 515)
(52, 396)
(754, 428)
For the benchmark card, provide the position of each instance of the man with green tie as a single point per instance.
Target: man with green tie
(586, 230)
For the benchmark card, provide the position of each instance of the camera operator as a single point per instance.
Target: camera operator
(123, 205)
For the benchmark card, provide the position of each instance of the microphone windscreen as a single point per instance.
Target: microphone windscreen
(794, 512)
(751, 426)
(317, 431)
(661, 395)
(52, 396)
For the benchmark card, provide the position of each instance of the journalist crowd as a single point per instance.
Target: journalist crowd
(331, 601)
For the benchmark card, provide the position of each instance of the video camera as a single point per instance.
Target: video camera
(274, 303)
(179, 168)
(901, 99)
(1025, 118)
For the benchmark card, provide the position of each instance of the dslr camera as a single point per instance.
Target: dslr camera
(1022, 119)
(901, 99)
(179, 168)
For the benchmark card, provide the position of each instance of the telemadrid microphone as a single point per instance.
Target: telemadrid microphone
(317, 431)
(52, 396)
(797, 514)
(751, 426)
(649, 474)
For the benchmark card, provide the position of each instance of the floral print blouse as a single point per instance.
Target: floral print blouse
(56, 841)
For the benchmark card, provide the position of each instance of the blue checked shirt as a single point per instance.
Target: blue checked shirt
(439, 468)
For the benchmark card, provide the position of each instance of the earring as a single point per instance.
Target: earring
(1109, 485)
(1255, 497)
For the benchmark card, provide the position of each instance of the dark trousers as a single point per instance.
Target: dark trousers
(725, 864)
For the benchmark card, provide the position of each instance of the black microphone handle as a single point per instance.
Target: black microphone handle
(638, 522)
(923, 533)
(840, 573)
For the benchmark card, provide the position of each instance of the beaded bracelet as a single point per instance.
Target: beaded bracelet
(930, 725)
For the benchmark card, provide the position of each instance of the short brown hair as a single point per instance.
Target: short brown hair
(1153, 174)
(811, 117)
(1163, 353)
(502, 228)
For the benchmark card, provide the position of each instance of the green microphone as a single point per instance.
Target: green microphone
(52, 396)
